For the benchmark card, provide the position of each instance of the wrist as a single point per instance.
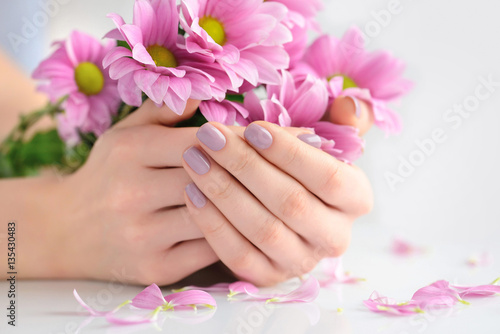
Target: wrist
(35, 204)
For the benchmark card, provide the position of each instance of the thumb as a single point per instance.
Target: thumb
(149, 113)
(343, 112)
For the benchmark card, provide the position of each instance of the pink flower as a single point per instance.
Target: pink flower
(306, 9)
(300, 19)
(75, 71)
(381, 304)
(335, 273)
(225, 112)
(352, 71)
(307, 292)
(245, 37)
(158, 63)
(292, 104)
(151, 298)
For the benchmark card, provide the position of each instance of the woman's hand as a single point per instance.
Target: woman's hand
(276, 205)
(123, 211)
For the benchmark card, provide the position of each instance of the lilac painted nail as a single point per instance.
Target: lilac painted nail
(196, 196)
(212, 137)
(197, 160)
(311, 139)
(258, 136)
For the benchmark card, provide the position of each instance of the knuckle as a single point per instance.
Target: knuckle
(123, 198)
(215, 228)
(339, 246)
(242, 161)
(121, 143)
(292, 154)
(133, 235)
(241, 263)
(271, 231)
(332, 180)
(220, 187)
(294, 205)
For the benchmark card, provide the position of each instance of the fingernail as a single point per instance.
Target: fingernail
(258, 136)
(357, 107)
(311, 139)
(197, 160)
(196, 196)
(212, 137)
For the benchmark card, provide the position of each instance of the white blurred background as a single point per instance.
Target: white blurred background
(453, 194)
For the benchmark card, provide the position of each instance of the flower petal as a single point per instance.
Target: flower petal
(150, 298)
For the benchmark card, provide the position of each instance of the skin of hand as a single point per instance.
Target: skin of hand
(122, 215)
(17, 95)
(270, 205)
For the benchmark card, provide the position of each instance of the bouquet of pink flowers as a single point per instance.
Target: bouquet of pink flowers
(246, 60)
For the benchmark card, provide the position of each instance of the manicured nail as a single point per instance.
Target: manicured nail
(197, 160)
(357, 107)
(311, 139)
(196, 196)
(212, 137)
(258, 136)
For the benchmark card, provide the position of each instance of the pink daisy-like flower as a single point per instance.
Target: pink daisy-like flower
(300, 19)
(293, 104)
(75, 71)
(245, 37)
(352, 71)
(158, 63)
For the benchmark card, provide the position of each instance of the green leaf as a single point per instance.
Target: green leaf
(5, 167)
(235, 97)
(44, 149)
(124, 44)
(194, 122)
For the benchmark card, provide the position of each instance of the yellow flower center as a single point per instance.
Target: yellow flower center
(348, 82)
(214, 28)
(162, 56)
(89, 78)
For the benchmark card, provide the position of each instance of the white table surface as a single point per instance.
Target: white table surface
(49, 306)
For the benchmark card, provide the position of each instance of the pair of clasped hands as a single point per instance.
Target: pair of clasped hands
(160, 203)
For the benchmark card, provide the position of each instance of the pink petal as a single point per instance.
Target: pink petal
(478, 291)
(404, 248)
(88, 308)
(190, 298)
(307, 292)
(333, 268)
(381, 304)
(150, 298)
(219, 287)
(438, 293)
(242, 287)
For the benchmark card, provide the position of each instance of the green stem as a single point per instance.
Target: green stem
(27, 121)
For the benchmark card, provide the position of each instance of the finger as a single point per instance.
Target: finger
(162, 188)
(149, 113)
(182, 260)
(340, 185)
(347, 110)
(231, 198)
(157, 146)
(280, 193)
(171, 226)
(234, 250)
